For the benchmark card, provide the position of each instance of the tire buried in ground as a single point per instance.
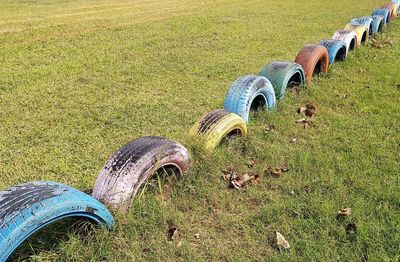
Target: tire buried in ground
(349, 37)
(249, 93)
(336, 49)
(215, 126)
(382, 12)
(314, 59)
(283, 75)
(361, 32)
(379, 23)
(366, 21)
(27, 208)
(393, 9)
(129, 167)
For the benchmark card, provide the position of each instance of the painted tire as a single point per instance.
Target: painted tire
(26, 208)
(248, 92)
(215, 125)
(314, 59)
(383, 12)
(366, 21)
(336, 49)
(393, 9)
(398, 5)
(283, 75)
(127, 169)
(349, 37)
(379, 23)
(361, 32)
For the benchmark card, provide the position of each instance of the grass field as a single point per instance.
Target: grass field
(78, 79)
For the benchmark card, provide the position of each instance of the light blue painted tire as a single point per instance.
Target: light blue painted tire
(379, 22)
(383, 12)
(246, 91)
(26, 208)
(367, 21)
(283, 75)
(336, 49)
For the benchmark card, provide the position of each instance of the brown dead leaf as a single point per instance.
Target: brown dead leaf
(277, 171)
(311, 106)
(301, 110)
(252, 163)
(305, 122)
(344, 212)
(239, 181)
(281, 241)
(269, 128)
(309, 113)
(351, 228)
(173, 234)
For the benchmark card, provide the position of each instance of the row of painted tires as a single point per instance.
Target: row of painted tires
(26, 208)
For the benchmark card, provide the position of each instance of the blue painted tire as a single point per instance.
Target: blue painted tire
(336, 49)
(378, 24)
(367, 21)
(383, 12)
(26, 208)
(247, 92)
(283, 75)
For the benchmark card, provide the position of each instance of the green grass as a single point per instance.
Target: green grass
(78, 79)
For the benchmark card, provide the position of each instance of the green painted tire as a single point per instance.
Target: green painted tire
(283, 75)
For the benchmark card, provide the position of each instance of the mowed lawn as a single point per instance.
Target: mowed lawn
(79, 79)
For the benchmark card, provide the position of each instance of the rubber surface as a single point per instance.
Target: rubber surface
(366, 21)
(383, 12)
(336, 49)
(349, 37)
(212, 127)
(26, 208)
(361, 32)
(249, 92)
(283, 75)
(393, 9)
(127, 169)
(379, 23)
(398, 5)
(314, 59)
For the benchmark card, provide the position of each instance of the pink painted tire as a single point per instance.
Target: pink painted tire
(128, 168)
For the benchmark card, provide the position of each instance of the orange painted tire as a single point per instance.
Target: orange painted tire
(314, 59)
(393, 9)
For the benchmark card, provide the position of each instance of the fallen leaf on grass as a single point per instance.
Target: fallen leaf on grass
(344, 212)
(252, 163)
(351, 228)
(305, 122)
(281, 241)
(308, 110)
(277, 171)
(269, 128)
(173, 235)
(239, 181)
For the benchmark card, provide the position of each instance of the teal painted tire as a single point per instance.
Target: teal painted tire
(283, 75)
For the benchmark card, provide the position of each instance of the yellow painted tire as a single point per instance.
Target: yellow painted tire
(361, 32)
(212, 127)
